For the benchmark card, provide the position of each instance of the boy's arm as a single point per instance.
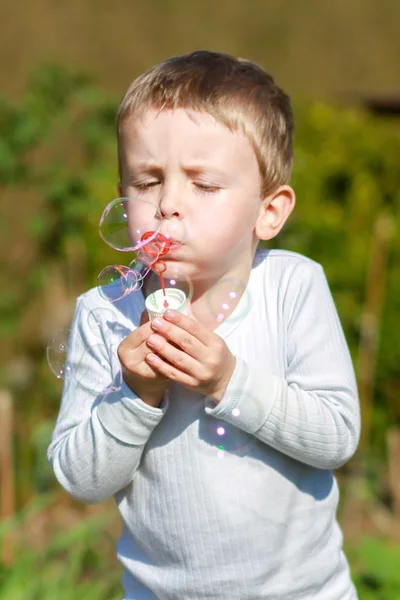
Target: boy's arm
(99, 436)
(312, 414)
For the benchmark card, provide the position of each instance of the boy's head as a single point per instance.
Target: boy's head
(207, 138)
(236, 92)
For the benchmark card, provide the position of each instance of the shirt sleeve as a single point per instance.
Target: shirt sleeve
(312, 414)
(102, 426)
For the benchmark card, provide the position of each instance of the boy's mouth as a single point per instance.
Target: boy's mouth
(174, 243)
(173, 250)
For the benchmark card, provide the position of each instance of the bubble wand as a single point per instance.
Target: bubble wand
(158, 246)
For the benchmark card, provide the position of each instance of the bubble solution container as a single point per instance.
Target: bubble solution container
(155, 302)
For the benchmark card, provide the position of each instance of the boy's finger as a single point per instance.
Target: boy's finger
(139, 335)
(189, 324)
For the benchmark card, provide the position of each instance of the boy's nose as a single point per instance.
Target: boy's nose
(168, 215)
(170, 205)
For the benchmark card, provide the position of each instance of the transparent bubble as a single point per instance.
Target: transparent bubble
(229, 298)
(102, 320)
(146, 257)
(176, 277)
(141, 269)
(228, 438)
(225, 436)
(174, 230)
(125, 220)
(98, 370)
(57, 355)
(117, 281)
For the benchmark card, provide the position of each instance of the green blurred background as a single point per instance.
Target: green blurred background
(63, 69)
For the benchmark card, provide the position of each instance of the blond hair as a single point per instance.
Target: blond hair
(236, 92)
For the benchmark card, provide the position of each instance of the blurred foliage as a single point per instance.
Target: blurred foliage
(58, 147)
(375, 569)
(76, 563)
(345, 176)
(58, 171)
(71, 565)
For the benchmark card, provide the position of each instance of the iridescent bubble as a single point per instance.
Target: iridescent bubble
(229, 299)
(226, 436)
(117, 281)
(146, 257)
(141, 270)
(97, 371)
(174, 230)
(125, 220)
(102, 320)
(176, 277)
(56, 353)
(221, 452)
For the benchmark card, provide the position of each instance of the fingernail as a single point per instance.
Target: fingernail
(157, 324)
(153, 340)
(171, 314)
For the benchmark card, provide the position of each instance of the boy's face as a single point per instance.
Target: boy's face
(201, 174)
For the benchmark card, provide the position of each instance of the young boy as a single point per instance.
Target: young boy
(219, 446)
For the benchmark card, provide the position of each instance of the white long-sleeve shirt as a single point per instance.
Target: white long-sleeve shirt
(235, 501)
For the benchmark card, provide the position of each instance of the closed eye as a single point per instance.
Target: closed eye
(143, 187)
(203, 188)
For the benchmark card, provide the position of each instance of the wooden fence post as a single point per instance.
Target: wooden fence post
(370, 320)
(393, 440)
(7, 484)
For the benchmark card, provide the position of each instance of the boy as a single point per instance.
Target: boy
(219, 446)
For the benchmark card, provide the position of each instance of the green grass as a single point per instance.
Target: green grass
(375, 566)
(76, 563)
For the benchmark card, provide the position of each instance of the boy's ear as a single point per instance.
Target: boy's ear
(119, 190)
(274, 211)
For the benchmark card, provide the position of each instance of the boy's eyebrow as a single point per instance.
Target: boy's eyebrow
(191, 169)
(145, 166)
(196, 168)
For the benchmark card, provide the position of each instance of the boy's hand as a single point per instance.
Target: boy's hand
(147, 383)
(187, 352)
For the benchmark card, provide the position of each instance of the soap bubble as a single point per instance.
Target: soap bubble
(229, 299)
(117, 281)
(57, 355)
(125, 220)
(88, 374)
(175, 277)
(150, 252)
(174, 230)
(102, 319)
(85, 370)
(141, 269)
(228, 438)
